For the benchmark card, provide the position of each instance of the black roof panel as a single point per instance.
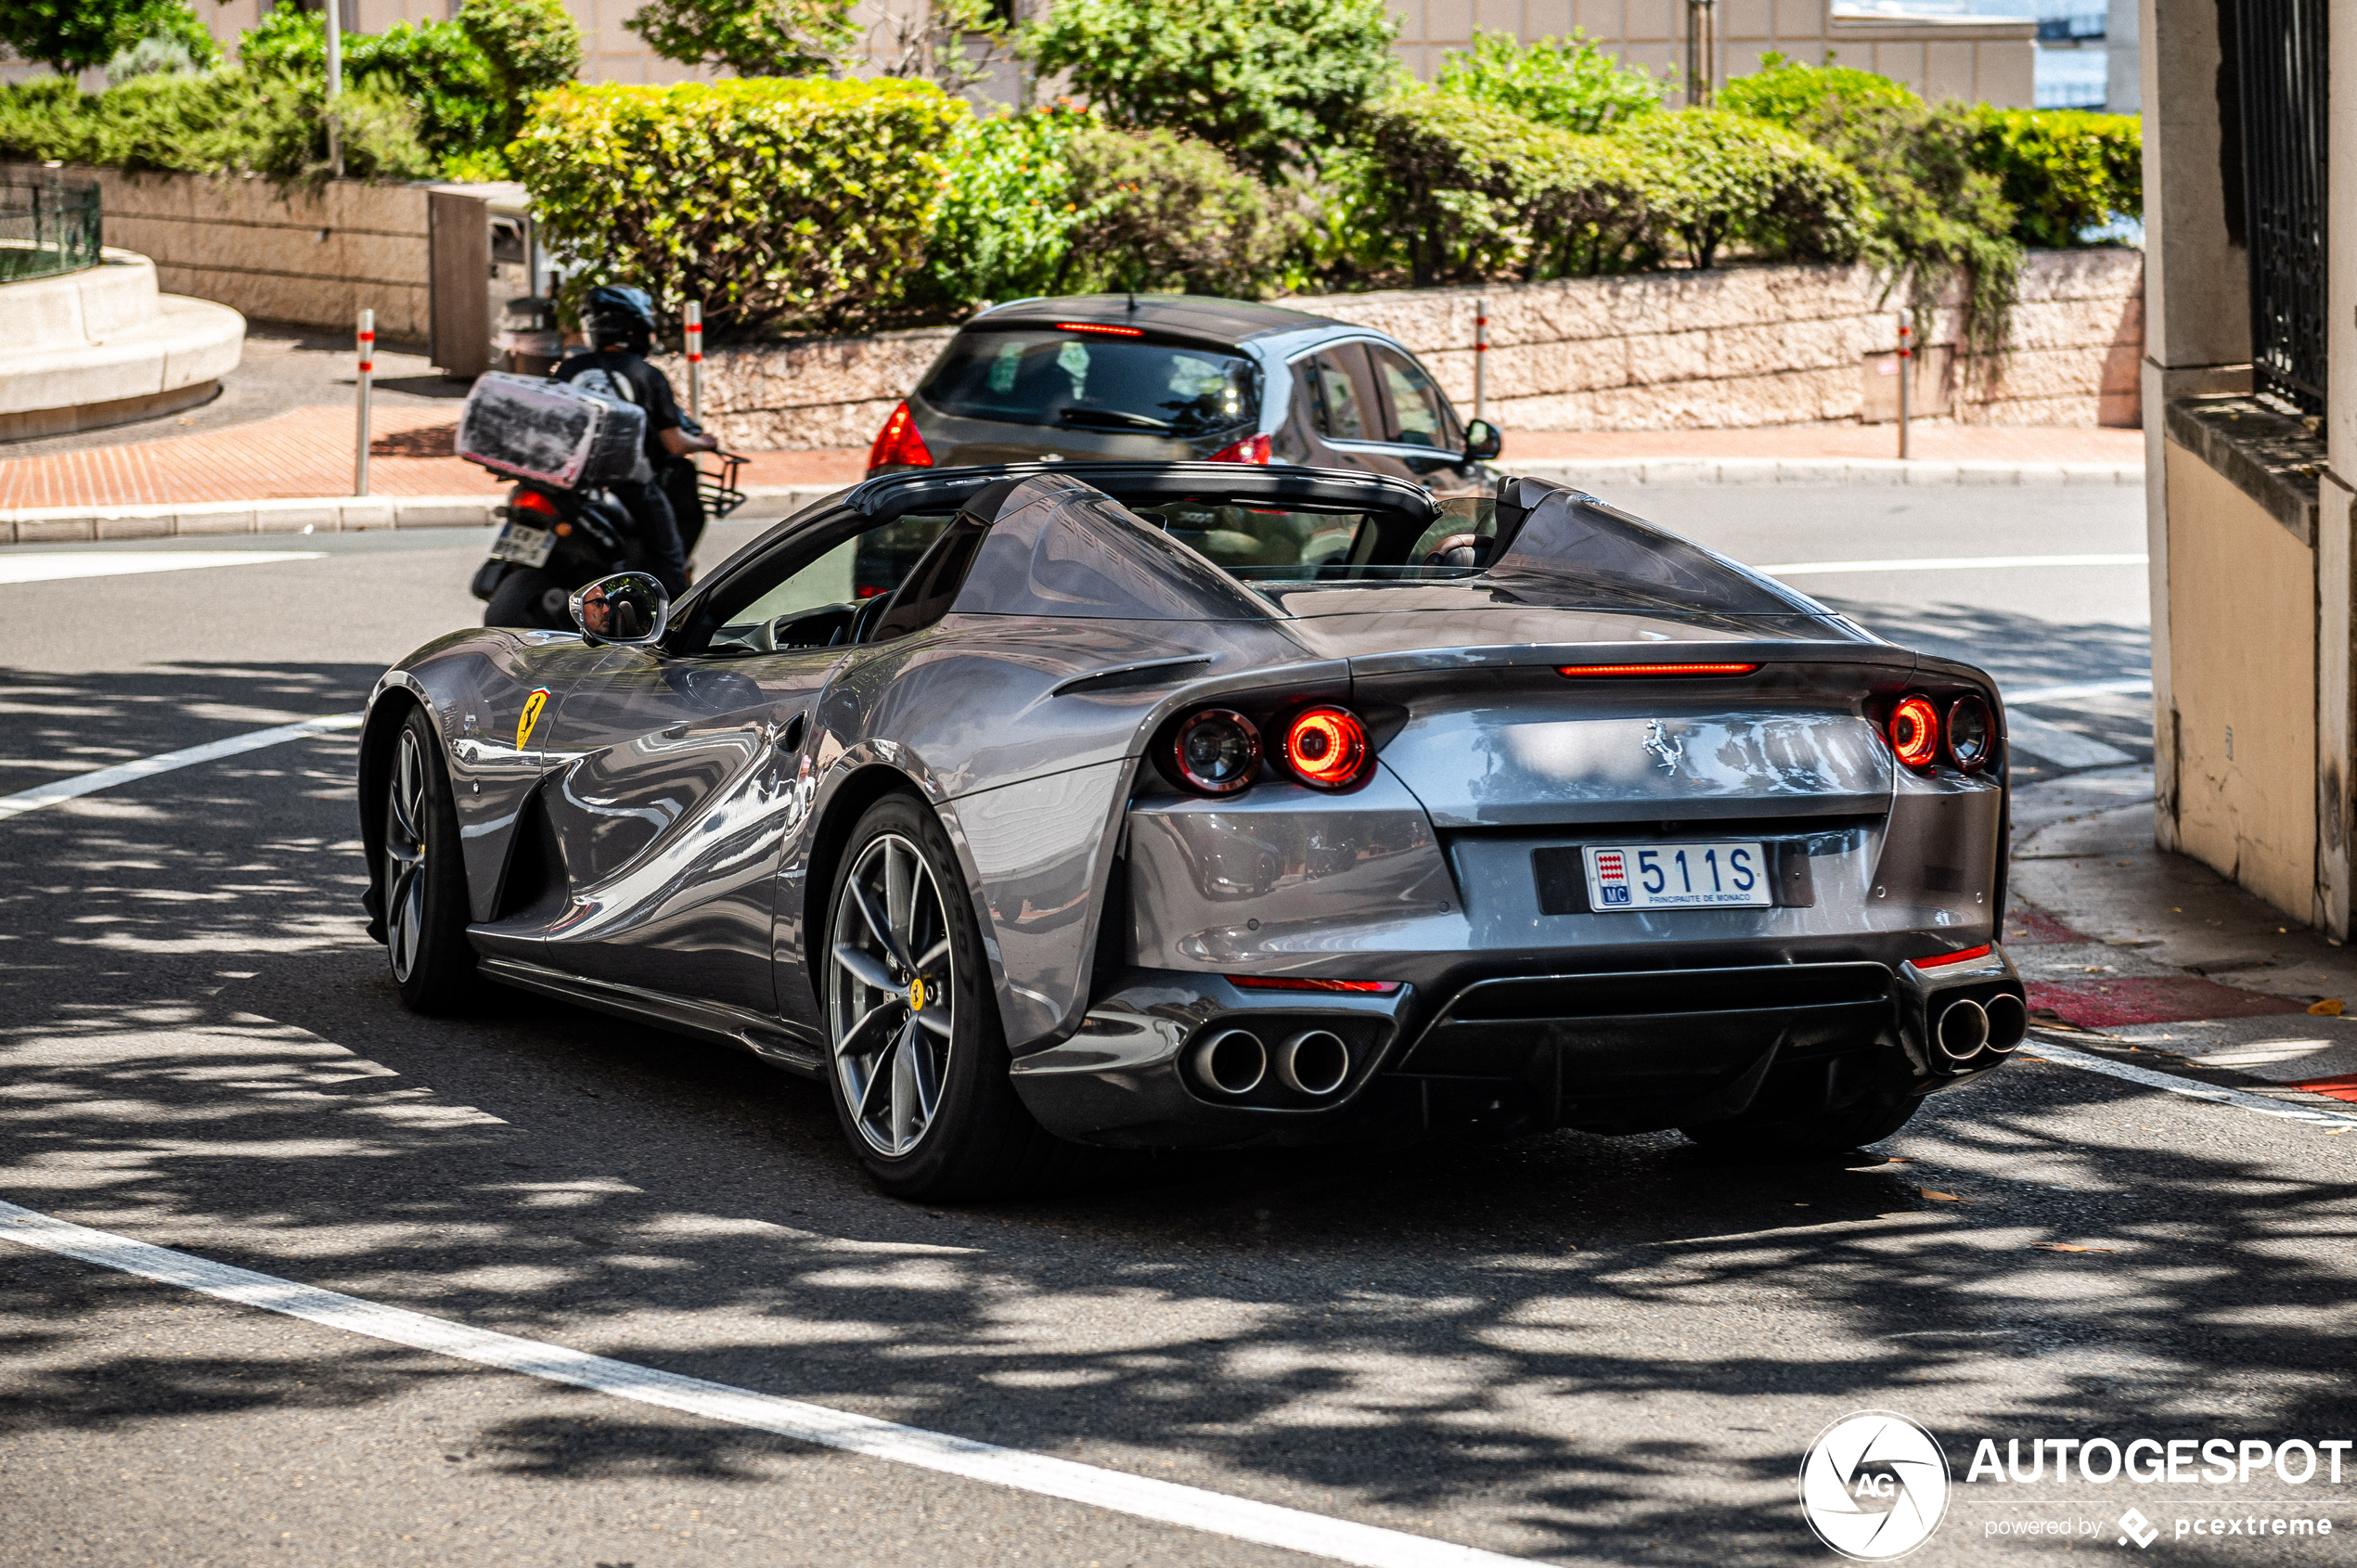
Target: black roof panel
(1193, 316)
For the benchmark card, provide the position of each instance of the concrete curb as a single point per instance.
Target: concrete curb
(336, 514)
(1589, 473)
(354, 514)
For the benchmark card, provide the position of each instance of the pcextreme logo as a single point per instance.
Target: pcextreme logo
(1873, 1485)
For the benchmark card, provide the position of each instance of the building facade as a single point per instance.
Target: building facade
(2250, 201)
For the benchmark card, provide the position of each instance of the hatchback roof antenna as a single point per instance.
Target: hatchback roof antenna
(1133, 298)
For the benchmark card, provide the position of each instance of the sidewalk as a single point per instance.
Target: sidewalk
(2154, 960)
(305, 454)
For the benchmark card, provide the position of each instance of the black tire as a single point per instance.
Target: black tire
(975, 1139)
(521, 600)
(425, 880)
(1832, 1132)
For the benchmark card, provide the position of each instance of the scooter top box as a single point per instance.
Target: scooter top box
(552, 432)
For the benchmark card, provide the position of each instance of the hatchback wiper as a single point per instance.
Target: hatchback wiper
(1113, 419)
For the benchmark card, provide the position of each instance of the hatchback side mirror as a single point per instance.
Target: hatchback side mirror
(629, 610)
(1483, 440)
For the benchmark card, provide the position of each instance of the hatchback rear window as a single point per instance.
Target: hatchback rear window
(1081, 382)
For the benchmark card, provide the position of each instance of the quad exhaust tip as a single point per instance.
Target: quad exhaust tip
(2008, 1022)
(1232, 1061)
(1314, 1062)
(1963, 1029)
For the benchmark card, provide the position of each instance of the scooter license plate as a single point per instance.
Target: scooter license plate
(525, 547)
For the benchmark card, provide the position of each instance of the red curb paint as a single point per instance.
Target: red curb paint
(2110, 1004)
(2343, 1087)
(2031, 927)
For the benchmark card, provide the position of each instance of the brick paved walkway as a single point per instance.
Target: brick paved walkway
(307, 451)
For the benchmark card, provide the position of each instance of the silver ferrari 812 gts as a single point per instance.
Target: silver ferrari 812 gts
(1206, 805)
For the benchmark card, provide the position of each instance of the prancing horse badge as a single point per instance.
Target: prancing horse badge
(1667, 748)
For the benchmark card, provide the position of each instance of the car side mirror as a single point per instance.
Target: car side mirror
(629, 610)
(1483, 440)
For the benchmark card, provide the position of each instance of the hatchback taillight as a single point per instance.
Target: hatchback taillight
(899, 445)
(1252, 449)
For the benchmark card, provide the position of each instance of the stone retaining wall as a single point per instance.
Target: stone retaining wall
(1737, 346)
(312, 257)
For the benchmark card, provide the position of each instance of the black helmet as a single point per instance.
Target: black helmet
(616, 314)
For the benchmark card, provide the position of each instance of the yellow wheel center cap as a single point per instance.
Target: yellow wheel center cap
(917, 994)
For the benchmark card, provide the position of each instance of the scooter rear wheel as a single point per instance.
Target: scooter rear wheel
(522, 598)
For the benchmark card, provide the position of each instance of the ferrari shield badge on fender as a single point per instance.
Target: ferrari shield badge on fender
(532, 706)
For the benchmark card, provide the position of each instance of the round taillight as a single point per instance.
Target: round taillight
(1914, 731)
(532, 501)
(1216, 751)
(1972, 734)
(1327, 747)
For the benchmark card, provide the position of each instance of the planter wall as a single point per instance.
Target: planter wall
(1739, 346)
(313, 258)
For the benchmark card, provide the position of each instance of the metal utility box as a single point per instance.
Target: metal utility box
(483, 253)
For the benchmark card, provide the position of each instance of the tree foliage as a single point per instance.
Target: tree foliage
(1007, 212)
(751, 37)
(802, 205)
(70, 36)
(530, 48)
(434, 67)
(1567, 82)
(1276, 84)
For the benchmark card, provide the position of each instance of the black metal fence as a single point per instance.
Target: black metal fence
(48, 226)
(2282, 65)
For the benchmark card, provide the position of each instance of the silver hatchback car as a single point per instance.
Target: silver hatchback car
(1179, 377)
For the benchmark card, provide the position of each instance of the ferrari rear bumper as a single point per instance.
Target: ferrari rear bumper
(1169, 1060)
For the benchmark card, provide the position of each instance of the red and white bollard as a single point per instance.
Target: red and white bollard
(1481, 357)
(368, 368)
(695, 360)
(1906, 379)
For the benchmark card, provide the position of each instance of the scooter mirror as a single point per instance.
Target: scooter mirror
(628, 609)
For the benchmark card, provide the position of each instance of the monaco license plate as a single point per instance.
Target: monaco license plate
(525, 547)
(1692, 876)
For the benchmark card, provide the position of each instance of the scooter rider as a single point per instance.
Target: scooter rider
(620, 325)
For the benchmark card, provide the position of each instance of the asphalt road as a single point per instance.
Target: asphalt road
(1568, 1348)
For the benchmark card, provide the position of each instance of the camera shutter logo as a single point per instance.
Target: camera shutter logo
(1874, 1485)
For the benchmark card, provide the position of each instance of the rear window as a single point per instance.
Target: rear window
(1086, 382)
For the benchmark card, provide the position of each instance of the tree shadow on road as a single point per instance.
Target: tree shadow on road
(1569, 1346)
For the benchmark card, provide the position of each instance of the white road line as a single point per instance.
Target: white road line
(2186, 1087)
(82, 784)
(1163, 1501)
(2128, 687)
(1944, 563)
(49, 566)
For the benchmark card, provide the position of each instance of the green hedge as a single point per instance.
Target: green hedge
(226, 121)
(782, 203)
(2064, 171)
(1460, 191)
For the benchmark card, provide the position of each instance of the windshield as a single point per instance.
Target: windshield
(1080, 381)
